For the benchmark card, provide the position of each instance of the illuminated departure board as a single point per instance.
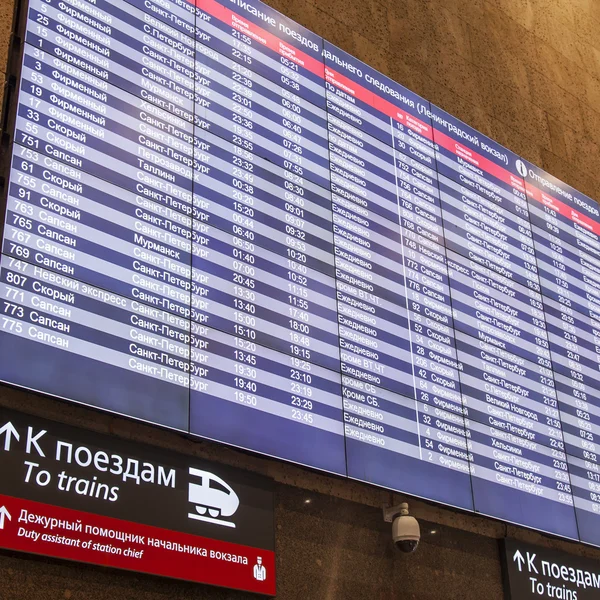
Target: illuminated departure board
(220, 223)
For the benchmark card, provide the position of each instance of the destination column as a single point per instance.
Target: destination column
(506, 380)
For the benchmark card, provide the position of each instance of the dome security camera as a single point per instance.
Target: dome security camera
(406, 532)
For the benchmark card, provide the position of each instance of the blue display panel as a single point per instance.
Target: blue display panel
(396, 328)
(519, 470)
(566, 228)
(220, 223)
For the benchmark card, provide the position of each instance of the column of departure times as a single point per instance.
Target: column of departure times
(263, 270)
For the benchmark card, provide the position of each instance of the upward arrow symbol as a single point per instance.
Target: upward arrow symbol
(3, 513)
(519, 559)
(9, 431)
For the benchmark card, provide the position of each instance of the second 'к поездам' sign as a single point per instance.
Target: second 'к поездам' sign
(220, 223)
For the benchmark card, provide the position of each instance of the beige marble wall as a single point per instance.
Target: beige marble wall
(6, 24)
(527, 73)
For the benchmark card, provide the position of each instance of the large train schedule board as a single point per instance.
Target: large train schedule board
(219, 223)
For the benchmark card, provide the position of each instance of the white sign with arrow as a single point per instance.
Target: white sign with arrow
(518, 558)
(9, 431)
(4, 514)
(541, 573)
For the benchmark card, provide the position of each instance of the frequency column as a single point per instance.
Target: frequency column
(403, 414)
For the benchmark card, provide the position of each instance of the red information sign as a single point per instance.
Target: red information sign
(63, 533)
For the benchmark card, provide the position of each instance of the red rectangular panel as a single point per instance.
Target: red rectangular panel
(80, 536)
